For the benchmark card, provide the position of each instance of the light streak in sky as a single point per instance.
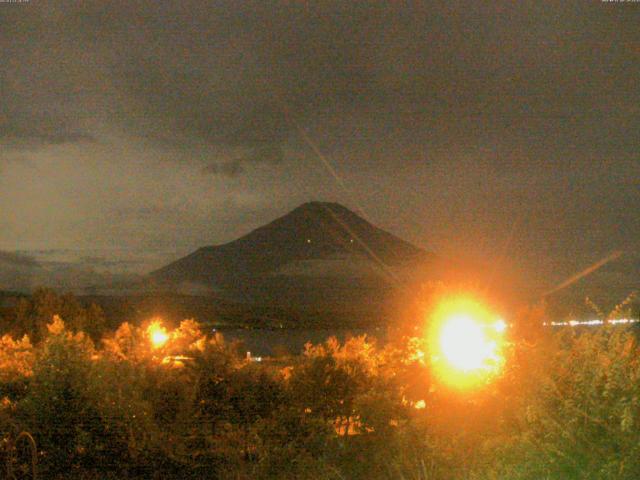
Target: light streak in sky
(587, 271)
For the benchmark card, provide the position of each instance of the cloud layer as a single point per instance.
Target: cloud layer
(181, 123)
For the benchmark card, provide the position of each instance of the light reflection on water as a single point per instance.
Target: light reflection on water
(268, 342)
(591, 323)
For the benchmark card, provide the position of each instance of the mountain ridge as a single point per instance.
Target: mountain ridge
(317, 234)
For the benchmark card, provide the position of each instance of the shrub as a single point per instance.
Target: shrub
(57, 409)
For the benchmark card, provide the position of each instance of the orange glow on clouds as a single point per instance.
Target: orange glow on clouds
(465, 340)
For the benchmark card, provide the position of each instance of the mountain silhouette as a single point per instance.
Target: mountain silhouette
(317, 252)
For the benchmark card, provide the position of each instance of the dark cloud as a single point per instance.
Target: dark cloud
(43, 82)
(268, 153)
(225, 72)
(231, 168)
(17, 259)
(20, 138)
(265, 154)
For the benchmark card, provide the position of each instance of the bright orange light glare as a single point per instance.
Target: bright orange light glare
(464, 344)
(157, 334)
(465, 340)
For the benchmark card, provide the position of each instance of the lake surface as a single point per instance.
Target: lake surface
(268, 342)
(264, 342)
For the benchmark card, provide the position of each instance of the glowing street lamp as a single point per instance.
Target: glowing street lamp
(466, 341)
(157, 334)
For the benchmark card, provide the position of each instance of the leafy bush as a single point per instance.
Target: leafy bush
(581, 412)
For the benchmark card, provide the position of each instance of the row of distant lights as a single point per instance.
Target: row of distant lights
(309, 240)
(589, 323)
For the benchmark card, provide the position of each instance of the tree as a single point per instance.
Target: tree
(56, 408)
(31, 315)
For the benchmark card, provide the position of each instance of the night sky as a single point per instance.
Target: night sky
(501, 131)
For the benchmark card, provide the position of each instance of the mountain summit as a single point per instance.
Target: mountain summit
(315, 247)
